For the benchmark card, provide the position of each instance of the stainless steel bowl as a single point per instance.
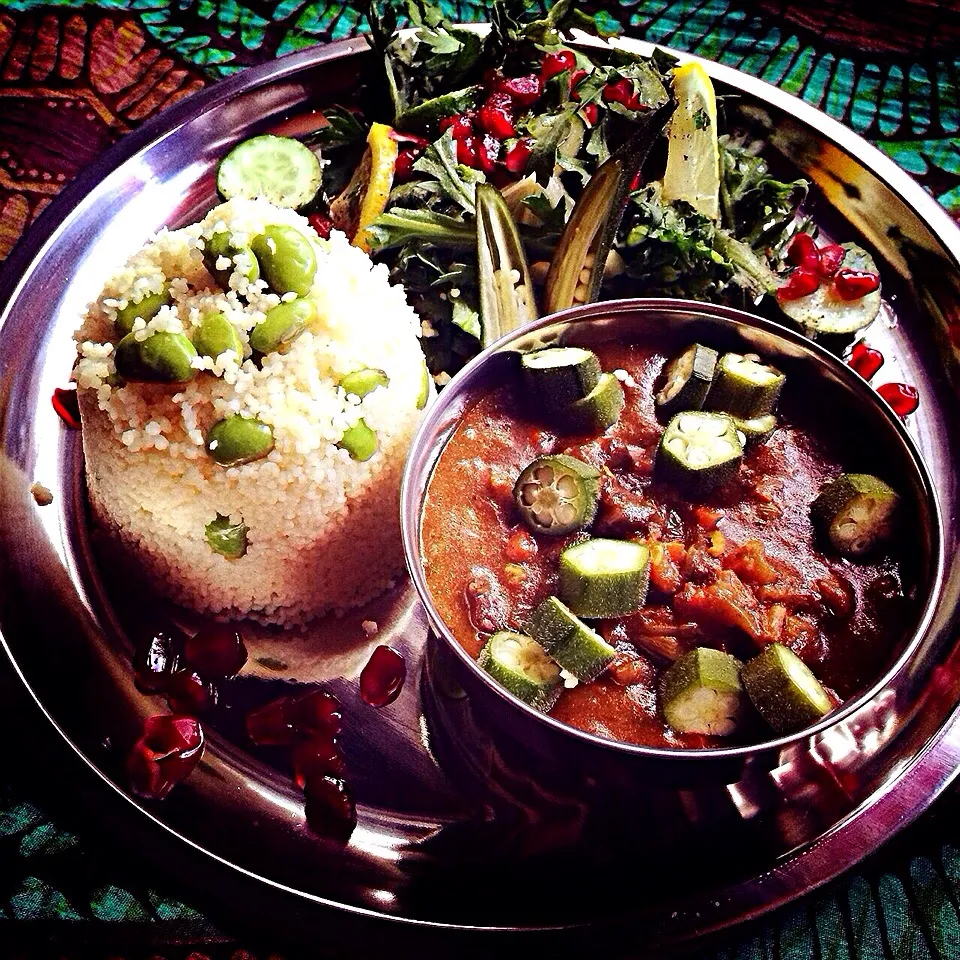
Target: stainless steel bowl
(515, 752)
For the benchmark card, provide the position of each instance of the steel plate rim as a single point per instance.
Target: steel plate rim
(53, 219)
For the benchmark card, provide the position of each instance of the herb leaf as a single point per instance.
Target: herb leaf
(439, 160)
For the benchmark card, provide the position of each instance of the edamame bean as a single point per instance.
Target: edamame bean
(238, 439)
(424, 395)
(221, 245)
(215, 335)
(362, 382)
(146, 307)
(287, 260)
(226, 538)
(360, 441)
(163, 357)
(281, 326)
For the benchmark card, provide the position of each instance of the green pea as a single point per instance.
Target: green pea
(359, 441)
(238, 439)
(281, 326)
(362, 382)
(215, 335)
(221, 245)
(287, 260)
(146, 307)
(163, 357)
(424, 395)
(226, 538)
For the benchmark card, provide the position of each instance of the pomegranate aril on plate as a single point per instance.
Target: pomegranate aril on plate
(575, 79)
(854, 284)
(315, 757)
(330, 808)
(167, 751)
(66, 404)
(865, 360)
(157, 660)
(831, 256)
(554, 63)
(317, 714)
(460, 123)
(590, 113)
(381, 680)
(800, 283)
(272, 724)
(621, 91)
(215, 650)
(517, 156)
(523, 91)
(188, 692)
(903, 398)
(488, 150)
(802, 252)
(322, 224)
(467, 152)
(496, 116)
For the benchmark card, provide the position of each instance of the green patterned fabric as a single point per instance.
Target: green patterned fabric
(893, 80)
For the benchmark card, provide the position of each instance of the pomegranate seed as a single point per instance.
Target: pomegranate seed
(637, 182)
(381, 680)
(802, 252)
(272, 724)
(419, 143)
(157, 660)
(903, 398)
(322, 224)
(854, 284)
(501, 177)
(865, 360)
(590, 112)
(403, 167)
(575, 79)
(621, 91)
(800, 283)
(496, 118)
(329, 808)
(467, 152)
(167, 751)
(517, 156)
(523, 91)
(554, 63)
(831, 256)
(460, 123)
(488, 150)
(215, 650)
(315, 758)
(188, 693)
(317, 714)
(67, 406)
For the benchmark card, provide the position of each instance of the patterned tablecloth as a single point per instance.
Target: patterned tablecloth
(76, 75)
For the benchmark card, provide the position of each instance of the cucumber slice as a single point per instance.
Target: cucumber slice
(521, 666)
(699, 451)
(757, 430)
(578, 649)
(557, 495)
(686, 380)
(598, 410)
(824, 313)
(281, 169)
(604, 578)
(558, 376)
(701, 693)
(855, 512)
(784, 690)
(745, 387)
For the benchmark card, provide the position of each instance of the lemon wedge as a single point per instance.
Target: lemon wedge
(365, 197)
(693, 153)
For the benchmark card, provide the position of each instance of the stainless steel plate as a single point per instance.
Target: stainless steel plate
(426, 863)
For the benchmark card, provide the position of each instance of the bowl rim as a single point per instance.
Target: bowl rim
(413, 497)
